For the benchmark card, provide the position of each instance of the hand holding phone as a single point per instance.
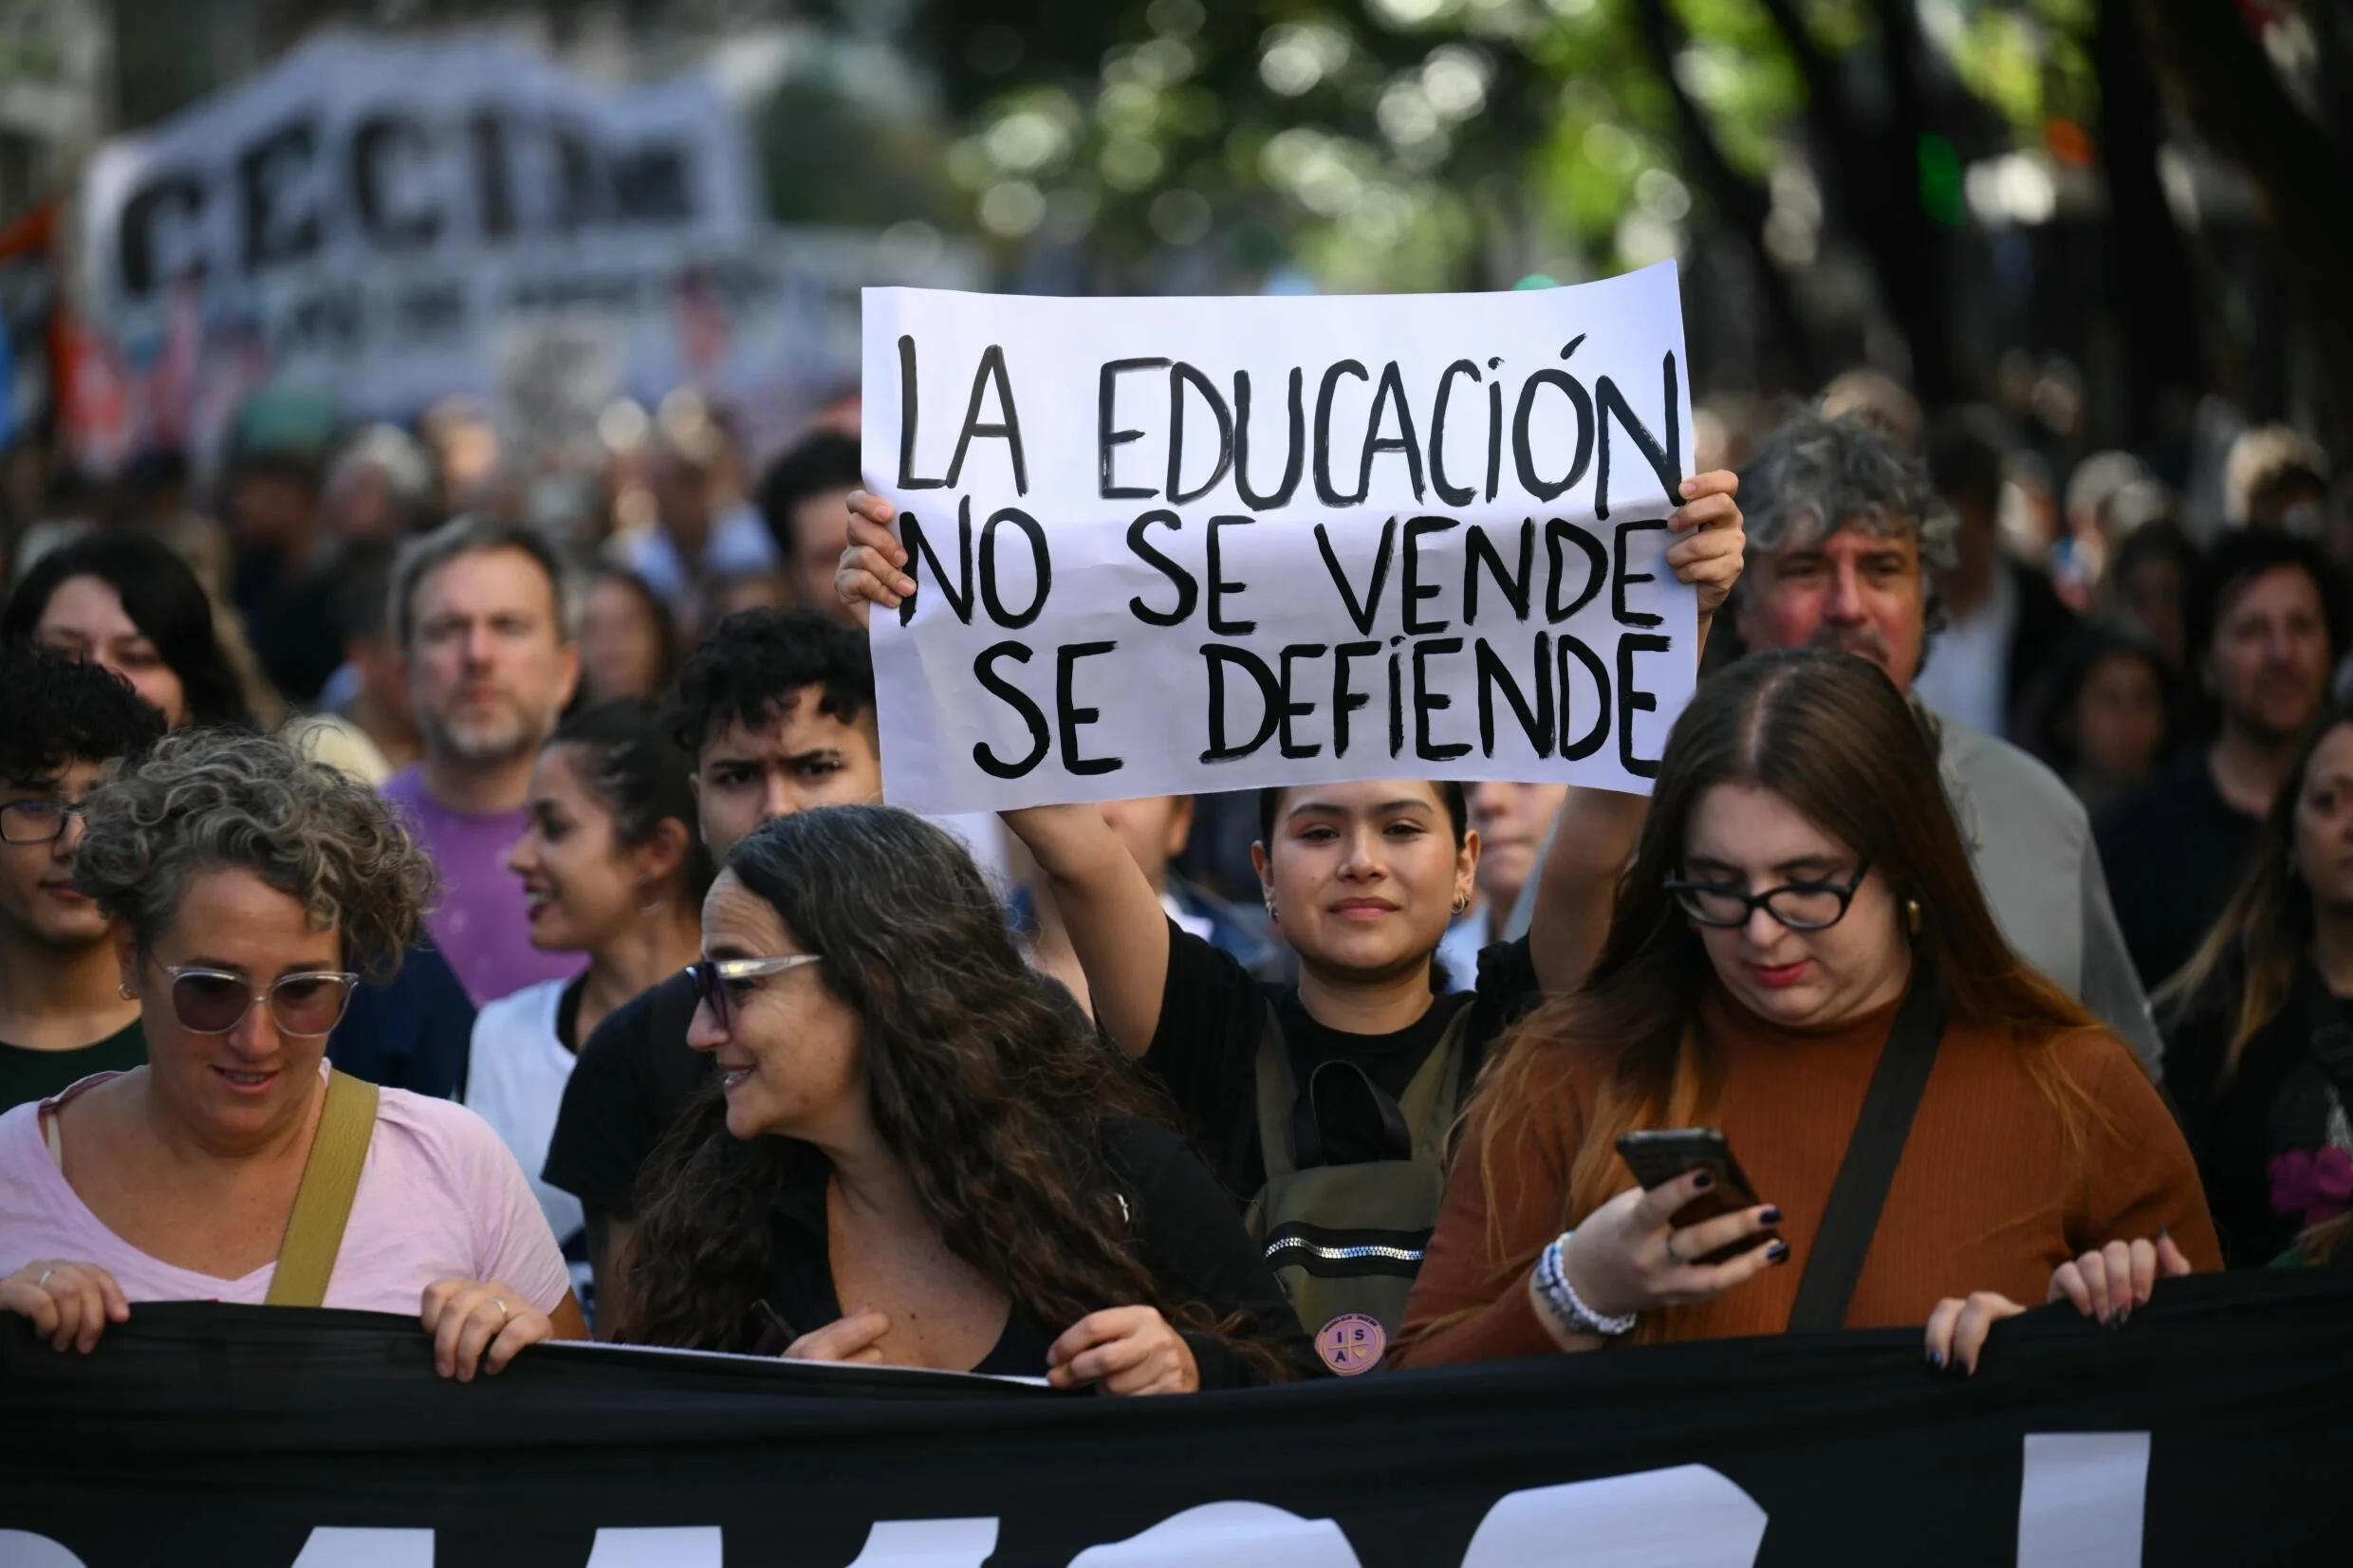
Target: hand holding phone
(1657, 1156)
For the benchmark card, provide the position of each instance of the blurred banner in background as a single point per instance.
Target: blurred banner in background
(386, 221)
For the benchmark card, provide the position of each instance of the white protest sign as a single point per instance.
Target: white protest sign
(1180, 545)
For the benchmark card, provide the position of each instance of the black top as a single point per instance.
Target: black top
(1186, 1235)
(635, 1077)
(2174, 852)
(1214, 1014)
(2273, 1144)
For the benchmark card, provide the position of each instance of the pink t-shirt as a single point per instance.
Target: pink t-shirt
(440, 1198)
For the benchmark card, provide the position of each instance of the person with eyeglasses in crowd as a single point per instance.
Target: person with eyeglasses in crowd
(63, 722)
(918, 1153)
(249, 887)
(1801, 915)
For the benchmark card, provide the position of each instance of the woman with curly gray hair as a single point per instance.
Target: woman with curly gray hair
(251, 888)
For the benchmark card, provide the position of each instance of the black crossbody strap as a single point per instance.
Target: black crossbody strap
(1852, 1215)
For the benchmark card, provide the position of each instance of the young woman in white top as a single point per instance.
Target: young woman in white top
(612, 868)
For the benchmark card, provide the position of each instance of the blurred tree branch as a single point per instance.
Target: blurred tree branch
(2226, 82)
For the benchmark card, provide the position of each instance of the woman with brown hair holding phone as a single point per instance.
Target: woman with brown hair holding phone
(1801, 957)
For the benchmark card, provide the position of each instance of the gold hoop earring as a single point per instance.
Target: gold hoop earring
(124, 991)
(1462, 901)
(1912, 914)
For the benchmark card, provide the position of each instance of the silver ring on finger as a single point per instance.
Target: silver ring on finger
(1673, 1256)
(44, 1280)
(503, 1313)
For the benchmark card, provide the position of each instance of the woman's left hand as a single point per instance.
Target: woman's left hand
(1711, 555)
(1127, 1351)
(2105, 1285)
(478, 1323)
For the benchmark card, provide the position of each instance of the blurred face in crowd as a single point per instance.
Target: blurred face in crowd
(1747, 839)
(1364, 876)
(360, 506)
(681, 498)
(786, 1047)
(271, 510)
(2268, 666)
(581, 886)
(1154, 829)
(821, 531)
(1512, 819)
(620, 642)
(84, 620)
(252, 1084)
(38, 904)
(2152, 593)
(801, 759)
(747, 591)
(2120, 718)
(2324, 858)
(488, 668)
(1856, 590)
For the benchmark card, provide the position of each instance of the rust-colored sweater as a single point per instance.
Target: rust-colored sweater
(1988, 1196)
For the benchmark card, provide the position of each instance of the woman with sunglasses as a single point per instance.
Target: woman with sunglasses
(1799, 887)
(249, 887)
(918, 1152)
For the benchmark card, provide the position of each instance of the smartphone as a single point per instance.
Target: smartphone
(1657, 1157)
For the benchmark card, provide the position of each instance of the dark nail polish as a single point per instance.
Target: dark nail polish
(1770, 1216)
(1702, 1182)
(1777, 1253)
(1935, 1359)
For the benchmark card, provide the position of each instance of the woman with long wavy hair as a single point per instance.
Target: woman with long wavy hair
(2256, 1057)
(1798, 874)
(911, 1126)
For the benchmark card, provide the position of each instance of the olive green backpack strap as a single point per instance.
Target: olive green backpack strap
(1434, 1096)
(314, 1232)
(1277, 1092)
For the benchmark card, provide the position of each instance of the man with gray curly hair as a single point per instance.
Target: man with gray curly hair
(1844, 531)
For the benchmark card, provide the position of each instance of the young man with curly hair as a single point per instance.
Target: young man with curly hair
(777, 709)
(63, 1013)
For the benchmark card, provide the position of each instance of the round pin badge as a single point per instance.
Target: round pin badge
(1351, 1343)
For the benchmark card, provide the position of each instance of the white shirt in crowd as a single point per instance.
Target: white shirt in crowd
(1966, 677)
(515, 1083)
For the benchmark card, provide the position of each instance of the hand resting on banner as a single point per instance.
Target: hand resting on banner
(2104, 1285)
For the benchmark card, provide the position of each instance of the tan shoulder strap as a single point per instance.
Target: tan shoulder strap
(314, 1232)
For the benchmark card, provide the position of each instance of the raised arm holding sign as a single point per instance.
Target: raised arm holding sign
(1364, 860)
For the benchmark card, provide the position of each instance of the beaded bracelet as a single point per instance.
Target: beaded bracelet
(1561, 1298)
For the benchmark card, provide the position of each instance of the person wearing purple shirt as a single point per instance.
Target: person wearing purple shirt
(487, 619)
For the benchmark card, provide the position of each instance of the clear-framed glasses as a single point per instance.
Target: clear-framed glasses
(213, 1002)
(1799, 906)
(720, 983)
(36, 821)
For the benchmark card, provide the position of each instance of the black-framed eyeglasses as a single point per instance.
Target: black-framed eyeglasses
(1799, 906)
(36, 821)
(716, 979)
(213, 1002)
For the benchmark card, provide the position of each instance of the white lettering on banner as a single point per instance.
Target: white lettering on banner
(2081, 1503)
(928, 1543)
(2083, 1499)
(338, 1546)
(1168, 546)
(1231, 1535)
(662, 1546)
(1690, 1516)
(22, 1549)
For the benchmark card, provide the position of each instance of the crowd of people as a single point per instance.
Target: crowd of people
(412, 903)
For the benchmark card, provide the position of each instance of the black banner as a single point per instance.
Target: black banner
(2214, 1427)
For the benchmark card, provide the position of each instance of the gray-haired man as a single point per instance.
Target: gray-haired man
(487, 622)
(1844, 528)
